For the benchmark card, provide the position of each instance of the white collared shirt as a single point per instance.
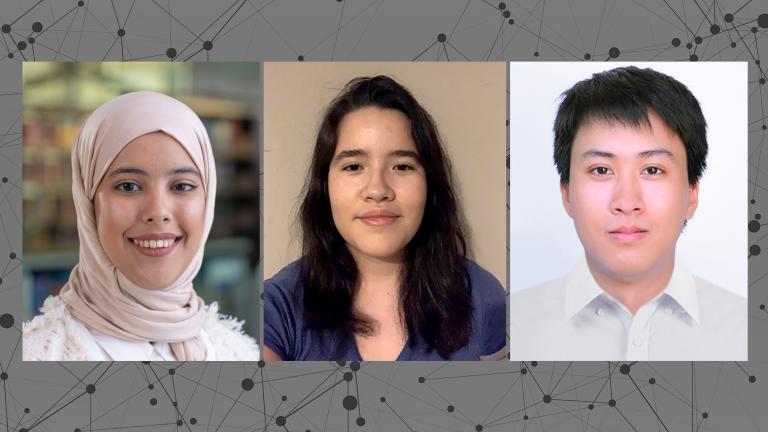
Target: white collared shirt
(573, 319)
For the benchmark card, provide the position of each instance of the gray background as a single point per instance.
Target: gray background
(388, 396)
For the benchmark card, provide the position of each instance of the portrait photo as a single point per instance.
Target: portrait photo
(627, 203)
(384, 199)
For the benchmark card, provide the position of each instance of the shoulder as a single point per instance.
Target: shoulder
(544, 299)
(485, 287)
(285, 283)
(55, 335)
(718, 303)
(227, 337)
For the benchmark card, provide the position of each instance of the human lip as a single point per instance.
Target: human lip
(155, 244)
(628, 234)
(379, 217)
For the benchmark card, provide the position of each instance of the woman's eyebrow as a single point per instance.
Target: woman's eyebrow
(184, 170)
(139, 171)
(405, 153)
(344, 154)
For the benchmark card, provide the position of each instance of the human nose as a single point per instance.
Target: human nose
(378, 188)
(156, 207)
(627, 196)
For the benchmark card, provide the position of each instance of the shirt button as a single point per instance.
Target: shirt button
(637, 342)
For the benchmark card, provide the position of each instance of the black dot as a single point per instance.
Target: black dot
(676, 42)
(355, 365)
(652, 381)
(612, 403)
(762, 307)
(23, 430)
(733, 44)
(383, 399)
(751, 201)
(175, 403)
(5, 179)
(90, 388)
(153, 401)
(698, 40)
(754, 250)
(26, 410)
(421, 379)
(479, 428)
(753, 29)
(10, 55)
(502, 6)
(534, 363)
(450, 408)
(348, 376)
(12, 255)
(506, 14)
(694, 57)
(511, 21)
(547, 399)
(151, 386)
(261, 363)
(523, 371)
(613, 52)
(145, 362)
(171, 371)
(714, 29)
(349, 402)
(171, 52)
(37, 26)
(442, 37)
(179, 422)
(728, 18)
(78, 430)
(247, 384)
(6, 28)
(752, 378)
(3, 376)
(193, 421)
(81, 3)
(587, 56)
(705, 415)
(525, 417)
(754, 226)
(283, 398)
(280, 421)
(121, 32)
(301, 58)
(764, 127)
(6, 320)
(761, 80)
(31, 40)
(624, 369)
(590, 406)
(360, 421)
(207, 45)
(689, 45)
(762, 20)
(536, 54)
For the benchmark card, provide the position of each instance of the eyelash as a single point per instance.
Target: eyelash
(398, 167)
(594, 170)
(182, 187)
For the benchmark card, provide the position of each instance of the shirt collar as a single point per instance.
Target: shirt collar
(581, 289)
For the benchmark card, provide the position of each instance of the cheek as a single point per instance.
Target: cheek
(191, 215)
(590, 201)
(113, 217)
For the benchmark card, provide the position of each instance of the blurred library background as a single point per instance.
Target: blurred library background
(59, 96)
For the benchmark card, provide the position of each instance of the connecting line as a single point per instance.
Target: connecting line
(534, 378)
(398, 416)
(649, 403)
(159, 381)
(293, 411)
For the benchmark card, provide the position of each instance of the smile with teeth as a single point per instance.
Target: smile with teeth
(154, 244)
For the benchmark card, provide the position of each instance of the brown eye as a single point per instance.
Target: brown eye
(352, 167)
(652, 170)
(184, 187)
(127, 187)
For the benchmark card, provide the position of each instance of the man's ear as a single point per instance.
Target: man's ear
(693, 200)
(566, 195)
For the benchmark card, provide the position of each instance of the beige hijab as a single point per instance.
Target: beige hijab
(97, 294)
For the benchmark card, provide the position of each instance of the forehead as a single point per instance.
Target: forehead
(373, 128)
(155, 148)
(626, 139)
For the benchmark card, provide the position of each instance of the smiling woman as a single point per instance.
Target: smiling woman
(144, 186)
(384, 273)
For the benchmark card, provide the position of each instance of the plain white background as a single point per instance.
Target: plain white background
(542, 239)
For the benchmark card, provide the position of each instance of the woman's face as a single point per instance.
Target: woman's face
(376, 184)
(150, 210)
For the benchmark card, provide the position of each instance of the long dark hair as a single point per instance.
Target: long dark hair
(435, 295)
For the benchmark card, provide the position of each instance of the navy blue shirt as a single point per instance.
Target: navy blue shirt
(284, 331)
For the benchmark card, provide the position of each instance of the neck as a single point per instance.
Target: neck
(378, 292)
(634, 291)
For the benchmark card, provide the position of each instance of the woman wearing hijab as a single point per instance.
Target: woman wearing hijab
(144, 186)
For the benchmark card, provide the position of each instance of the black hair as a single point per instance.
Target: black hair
(625, 94)
(435, 294)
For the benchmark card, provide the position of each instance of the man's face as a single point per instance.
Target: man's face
(628, 196)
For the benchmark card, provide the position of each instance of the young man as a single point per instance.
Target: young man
(630, 148)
